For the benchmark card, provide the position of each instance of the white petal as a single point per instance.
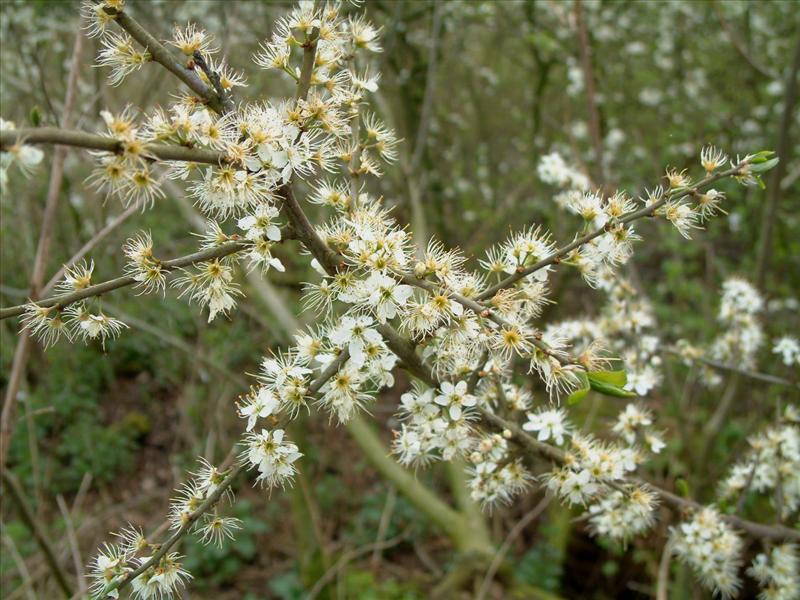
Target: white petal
(273, 233)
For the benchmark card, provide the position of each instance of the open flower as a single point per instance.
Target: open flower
(455, 398)
(261, 404)
(355, 333)
(272, 455)
(551, 424)
(386, 296)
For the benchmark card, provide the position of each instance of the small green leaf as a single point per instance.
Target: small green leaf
(36, 116)
(581, 392)
(609, 389)
(617, 378)
(762, 156)
(760, 182)
(766, 165)
(683, 487)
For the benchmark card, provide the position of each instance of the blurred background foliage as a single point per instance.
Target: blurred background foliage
(479, 91)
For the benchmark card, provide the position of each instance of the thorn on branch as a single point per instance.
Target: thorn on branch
(212, 75)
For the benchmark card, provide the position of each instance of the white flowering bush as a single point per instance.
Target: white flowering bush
(495, 386)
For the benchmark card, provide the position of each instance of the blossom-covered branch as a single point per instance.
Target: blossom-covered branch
(161, 54)
(471, 334)
(401, 348)
(765, 377)
(90, 141)
(558, 456)
(63, 300)
(116, 575)
(676, 194)
(757, 530)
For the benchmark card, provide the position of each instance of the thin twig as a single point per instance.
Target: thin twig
(348, 557)
(713, 425)
(99, 289)
(81, 139)
(383, 524)
(500, 555)
(426, 559)
(591, 100)
(14, 489)
(779, 486)
(89, 245)
(27, 582)
(80, 496)
(743, 494)
(629, 218)
(162, 55)
(77, 561)
(783, 148)
(20, 362)
(225, 99)
(414, 177)
(8, 418)
(737, 43)
(738, 370)
(663, 571)
(420, 140)
(309, 55)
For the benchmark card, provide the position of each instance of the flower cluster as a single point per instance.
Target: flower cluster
(285, 378)
(127, 175)
(771, 465)
(549, 424)
(634, 425)
(778, 573)
(589, 466)
(273, 456)
(145, 268)
(191, 496)
(743, 335)
(709, 545)
(435, 424)
(211, 285)
(262, 229)
(740, 306)
(788, 348)
(80, 320)
(553, 169)
(623, 515)
(116, 562)
(593, 474)
(164, 577)
(496, 477)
